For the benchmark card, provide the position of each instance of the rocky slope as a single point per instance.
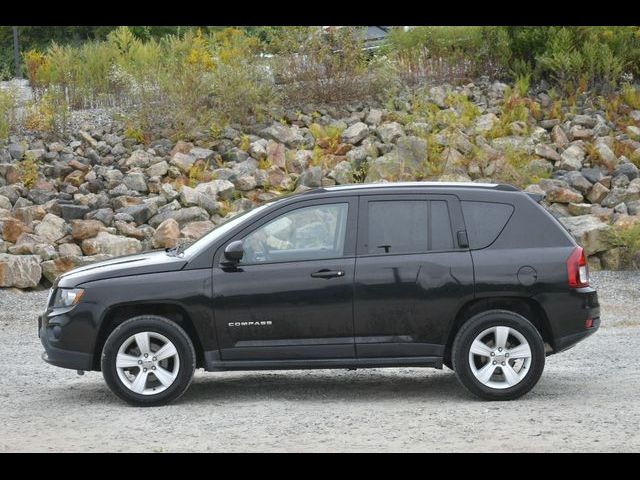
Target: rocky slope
(98, 194)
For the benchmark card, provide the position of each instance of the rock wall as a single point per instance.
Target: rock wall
(98, 194)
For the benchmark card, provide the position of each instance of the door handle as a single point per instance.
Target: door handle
(326, 273)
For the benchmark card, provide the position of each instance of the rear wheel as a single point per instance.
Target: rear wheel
(498, 355)
(148, 361)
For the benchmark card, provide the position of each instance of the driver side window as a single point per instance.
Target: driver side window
(307, 233)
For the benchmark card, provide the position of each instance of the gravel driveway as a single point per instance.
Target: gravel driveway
(587, 400)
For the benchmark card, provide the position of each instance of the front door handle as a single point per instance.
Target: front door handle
(326, 273)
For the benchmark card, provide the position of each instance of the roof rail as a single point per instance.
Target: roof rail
(356, 186)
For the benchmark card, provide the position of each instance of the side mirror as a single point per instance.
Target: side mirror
(233, 253)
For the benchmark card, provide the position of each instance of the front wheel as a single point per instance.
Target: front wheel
(148, 361)
(498, 355)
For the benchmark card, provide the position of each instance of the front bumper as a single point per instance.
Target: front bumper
(52, 336)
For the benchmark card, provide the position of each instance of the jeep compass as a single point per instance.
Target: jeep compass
(474, 276)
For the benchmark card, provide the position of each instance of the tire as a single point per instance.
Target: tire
(123, 361)
(474, 368)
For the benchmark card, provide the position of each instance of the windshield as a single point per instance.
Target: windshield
(219, 231)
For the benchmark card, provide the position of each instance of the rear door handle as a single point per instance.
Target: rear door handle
(326, 273)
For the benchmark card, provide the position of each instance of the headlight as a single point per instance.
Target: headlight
(67, 297)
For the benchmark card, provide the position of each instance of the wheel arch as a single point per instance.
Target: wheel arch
(120, 313)
(525, 306)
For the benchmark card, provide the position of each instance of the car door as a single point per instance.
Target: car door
(291, 296)
(412, 274)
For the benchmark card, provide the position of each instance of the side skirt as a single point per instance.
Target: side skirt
(214, 364)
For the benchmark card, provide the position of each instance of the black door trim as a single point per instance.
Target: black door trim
(214, 364)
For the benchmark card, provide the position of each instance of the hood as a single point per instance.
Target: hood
(151, 262)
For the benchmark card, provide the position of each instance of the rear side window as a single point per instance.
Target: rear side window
(485, 221)
(408, 226)
(440, 225)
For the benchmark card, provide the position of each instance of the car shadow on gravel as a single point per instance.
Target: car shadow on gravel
(317, 386)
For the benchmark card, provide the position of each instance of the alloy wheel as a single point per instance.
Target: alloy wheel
(147, 363)
(500, 357)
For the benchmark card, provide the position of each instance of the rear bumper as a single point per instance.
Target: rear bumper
(573, 313)
(568, 341)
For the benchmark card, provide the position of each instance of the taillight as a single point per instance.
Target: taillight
(577, 271)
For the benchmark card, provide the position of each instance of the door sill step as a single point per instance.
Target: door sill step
(213, 364)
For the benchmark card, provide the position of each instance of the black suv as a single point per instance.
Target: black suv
(478, 277)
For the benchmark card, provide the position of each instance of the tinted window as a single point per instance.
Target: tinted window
(398, 226)
(307, 233)
(402, 226)
(485, 221)
(441, 234)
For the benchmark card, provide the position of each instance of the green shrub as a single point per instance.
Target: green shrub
(28, 170)
(198, 173)
(631, 96)
(7, 113)
(628, 239)
(442, 53)
(327, 137)
(327, 67)
(48, 114)
(576, 56)
(240, 86)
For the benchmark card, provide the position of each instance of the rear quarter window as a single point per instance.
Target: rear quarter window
(485, 221)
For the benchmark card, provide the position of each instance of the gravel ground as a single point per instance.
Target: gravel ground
(588, 399)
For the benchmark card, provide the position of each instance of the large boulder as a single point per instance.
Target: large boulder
(195, 230)
(342, 173)
(572, 158)
(355, 133)
(11, 229)
(548, 152)
(51, 228)
(388, 167)
(598, 193)
(311, 177)
(513, 143)
(589, 231)
(139, 158)
(83, 229)
(202, 153)
(5, 203)
(20, 271)
(182, 216)
(217, 188)
(559, 137)
(167, 234)
(276, 153)
(485, 123)
(606, 155)
(52, 269)
(184, 161)
(159, 169)
(71, 211)
(136, 181)
(108, 244)
(291, 136)
(389, 132)
(453, 162)
(141, 213)
(413, 152)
